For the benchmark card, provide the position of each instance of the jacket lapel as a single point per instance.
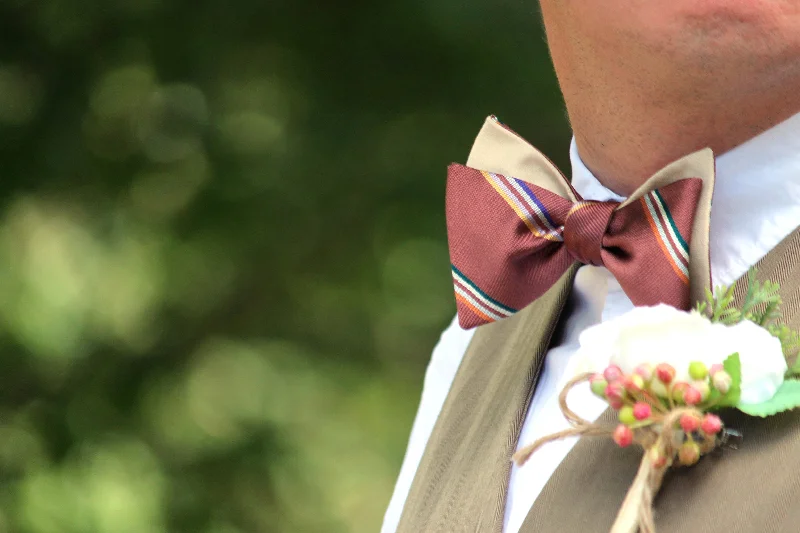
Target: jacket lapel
(753, 488)
(462, 480)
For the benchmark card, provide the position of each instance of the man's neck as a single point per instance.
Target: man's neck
(625, 148)
(646, 83)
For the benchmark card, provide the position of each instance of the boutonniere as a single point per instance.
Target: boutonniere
(667, 372)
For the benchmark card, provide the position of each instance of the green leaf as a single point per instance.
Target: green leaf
(733, 366)
(787, 397)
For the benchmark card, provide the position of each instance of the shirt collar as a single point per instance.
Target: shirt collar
(756, 198)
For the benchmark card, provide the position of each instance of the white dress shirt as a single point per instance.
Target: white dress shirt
(756, 204)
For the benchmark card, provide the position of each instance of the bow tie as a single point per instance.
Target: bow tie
(512, 236)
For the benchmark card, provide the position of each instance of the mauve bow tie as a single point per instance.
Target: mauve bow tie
(511, 240)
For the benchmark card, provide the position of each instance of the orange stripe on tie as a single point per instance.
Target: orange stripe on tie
(474, 309)
(654, 228)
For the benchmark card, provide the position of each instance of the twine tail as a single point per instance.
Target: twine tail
(580, 427)
(636, 513)
(524, 453)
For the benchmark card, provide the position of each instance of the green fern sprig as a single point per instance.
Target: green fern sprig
(762, 305)
(761, 293)
(720, 308)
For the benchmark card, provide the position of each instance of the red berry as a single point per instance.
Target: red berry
(678, 389)
(711, 424)
(614, 391)
(642, 411)
(690, 423)
(623, 435)
(612, 373)
(665, 373)
(692, 396)
(615, 404)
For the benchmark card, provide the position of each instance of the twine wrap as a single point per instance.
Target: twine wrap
(660, 436)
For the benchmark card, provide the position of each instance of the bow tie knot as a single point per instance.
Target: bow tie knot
(584, 229)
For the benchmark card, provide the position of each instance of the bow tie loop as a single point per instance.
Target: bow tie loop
(584, 230)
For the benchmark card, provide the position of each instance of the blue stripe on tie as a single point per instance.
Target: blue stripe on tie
(475, 287)
(536, 201)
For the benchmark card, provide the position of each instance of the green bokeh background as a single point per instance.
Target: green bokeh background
(223, 262)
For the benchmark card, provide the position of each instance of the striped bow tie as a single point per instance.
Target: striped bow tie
(511, 239)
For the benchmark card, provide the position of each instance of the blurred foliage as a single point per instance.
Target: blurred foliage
(223, 262)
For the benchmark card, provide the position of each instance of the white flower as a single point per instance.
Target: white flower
(663, 334)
